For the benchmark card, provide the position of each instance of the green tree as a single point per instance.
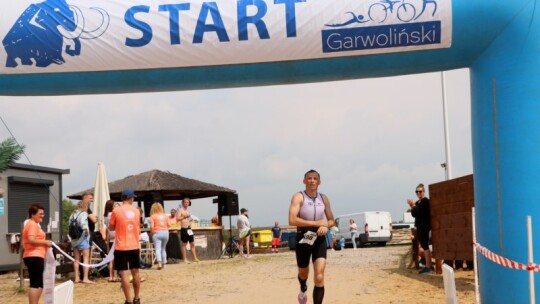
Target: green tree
(10, 151)
(67, 209)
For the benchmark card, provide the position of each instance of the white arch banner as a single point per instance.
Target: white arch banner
(103, 35)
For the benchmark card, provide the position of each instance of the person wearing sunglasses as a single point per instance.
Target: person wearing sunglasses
(35, 248)
(422, 222)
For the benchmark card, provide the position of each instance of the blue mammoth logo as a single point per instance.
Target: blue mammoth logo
(39, 33)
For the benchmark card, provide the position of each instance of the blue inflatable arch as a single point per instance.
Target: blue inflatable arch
(499, 40)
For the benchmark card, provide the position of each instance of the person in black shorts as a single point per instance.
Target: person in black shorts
(186, 234)
(125, 221)
(310, 212)
(420, 211)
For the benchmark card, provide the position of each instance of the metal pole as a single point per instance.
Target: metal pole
(475, 257)
(448, 167)
(21, 261)
(530, 247)
(230, 237)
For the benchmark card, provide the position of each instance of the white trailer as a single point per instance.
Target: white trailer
(374, 227)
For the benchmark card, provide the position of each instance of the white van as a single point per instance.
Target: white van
(374, 227)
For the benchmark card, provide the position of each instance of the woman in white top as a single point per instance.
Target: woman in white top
(244, 231)
(354, 232)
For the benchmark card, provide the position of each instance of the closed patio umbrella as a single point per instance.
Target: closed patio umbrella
(101, 195)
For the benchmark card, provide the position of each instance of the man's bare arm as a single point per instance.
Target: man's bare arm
(328, 212)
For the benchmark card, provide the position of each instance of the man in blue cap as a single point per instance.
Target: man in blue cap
(125, 221)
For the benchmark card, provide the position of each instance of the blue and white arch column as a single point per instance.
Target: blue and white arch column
(506, 154)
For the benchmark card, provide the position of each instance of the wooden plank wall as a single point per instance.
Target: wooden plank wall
(451, 205)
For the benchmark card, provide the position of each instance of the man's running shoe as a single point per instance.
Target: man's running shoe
(302, 298)
(186, 261)
(425, 270)
(196, 260)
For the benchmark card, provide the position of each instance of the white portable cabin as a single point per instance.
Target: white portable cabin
(374, 227)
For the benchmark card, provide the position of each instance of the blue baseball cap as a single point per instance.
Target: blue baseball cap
(128, 193)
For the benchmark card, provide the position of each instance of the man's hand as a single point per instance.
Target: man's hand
(322, 231)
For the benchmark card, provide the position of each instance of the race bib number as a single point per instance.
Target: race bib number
(190, 232)
(309, 238)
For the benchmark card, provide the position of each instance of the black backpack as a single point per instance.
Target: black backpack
(74, 230)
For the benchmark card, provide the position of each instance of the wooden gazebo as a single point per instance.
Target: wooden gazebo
(161, 186)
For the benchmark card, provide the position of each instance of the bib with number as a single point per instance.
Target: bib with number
(190, 232)
(309, 238)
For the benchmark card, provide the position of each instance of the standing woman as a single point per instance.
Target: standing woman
(160, 233)
(353, 228)
(82, 244)
(35, 248)
(110, 235)
(422, 220)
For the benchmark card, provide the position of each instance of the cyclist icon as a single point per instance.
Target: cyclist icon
(378, 12)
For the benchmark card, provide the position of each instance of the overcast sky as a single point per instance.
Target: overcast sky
(372, 140)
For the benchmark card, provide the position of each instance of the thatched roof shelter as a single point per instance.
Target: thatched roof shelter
(168, 185)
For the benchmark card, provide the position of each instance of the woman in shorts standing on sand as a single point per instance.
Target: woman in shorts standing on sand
(35, 248)
(81, 246)
(109, 207)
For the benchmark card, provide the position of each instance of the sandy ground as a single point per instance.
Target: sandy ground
(366, 275)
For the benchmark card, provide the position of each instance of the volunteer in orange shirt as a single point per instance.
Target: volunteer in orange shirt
(160, 233)
(125, 221)
(35, 248)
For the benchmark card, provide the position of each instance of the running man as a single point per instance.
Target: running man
(125, 221)
(424, 5)
(186, 234)
(276, 237)
(310, 212)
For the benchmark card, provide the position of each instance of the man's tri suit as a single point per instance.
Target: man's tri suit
(308, 244)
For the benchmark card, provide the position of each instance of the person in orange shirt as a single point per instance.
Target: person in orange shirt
(35, 248)
(160, 233)
(172, 218)
(125, 221)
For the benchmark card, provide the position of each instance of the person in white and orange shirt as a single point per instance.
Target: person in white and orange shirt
(35, 248)
(125, 221)
(160, 233)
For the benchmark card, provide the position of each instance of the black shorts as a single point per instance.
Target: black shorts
(36, 267)
(185, 237)
(304, 251)
(127, 259)
(423, 237)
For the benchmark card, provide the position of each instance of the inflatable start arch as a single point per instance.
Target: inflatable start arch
(56, 47)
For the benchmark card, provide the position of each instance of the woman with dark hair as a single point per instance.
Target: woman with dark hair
(110, 235)
(422, 221)
(35, 248)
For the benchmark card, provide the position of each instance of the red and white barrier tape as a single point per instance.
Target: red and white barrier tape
(497, 259)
